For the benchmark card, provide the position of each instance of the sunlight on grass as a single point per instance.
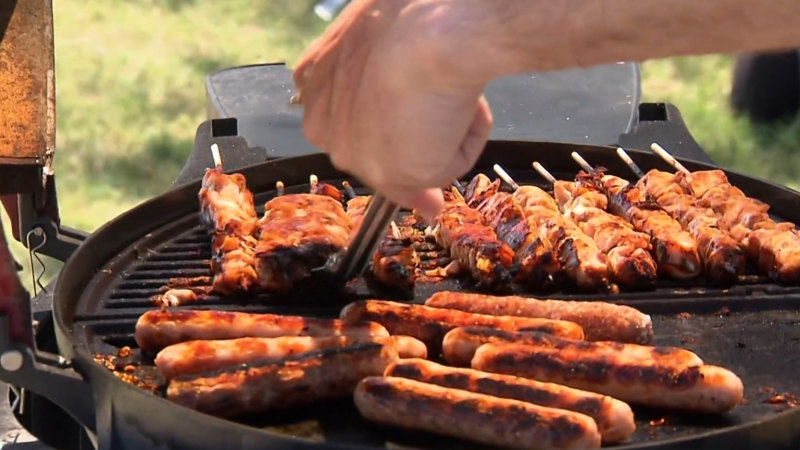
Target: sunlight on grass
(130, 95)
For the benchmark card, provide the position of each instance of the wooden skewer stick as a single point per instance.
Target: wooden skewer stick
(627, 159)
(313, 180)
(395, 230)
(280, 188)
(582, 162)
(659, 150)
(544, 172)
(349, 190)
(457, 184)
(505, 176)
(216, 156)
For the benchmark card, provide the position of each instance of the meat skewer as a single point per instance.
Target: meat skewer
(774, 246)
(580, 257)
(324, 189)
(228, 214)
(675, 250)
(472, 243)
(628, 250)
(723, 258)
(536, 264)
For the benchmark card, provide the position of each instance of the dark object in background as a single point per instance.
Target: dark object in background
(766, 86)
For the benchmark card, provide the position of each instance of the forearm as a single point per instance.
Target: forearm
(557, 34)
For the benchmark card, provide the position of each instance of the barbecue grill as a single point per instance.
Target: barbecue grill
(75, 402)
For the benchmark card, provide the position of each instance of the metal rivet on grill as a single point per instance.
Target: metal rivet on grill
(11, 360)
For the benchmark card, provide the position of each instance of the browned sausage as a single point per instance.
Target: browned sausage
(297, 381)
(459, 345)
(195, 357)
(157, 329)
(698, 388)
(477, 417)
(600, 321)
(430, 324)
(614, 418)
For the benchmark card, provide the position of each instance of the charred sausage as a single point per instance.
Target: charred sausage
(195, 357)
(481, 418)
(701, 388)
(301, 380)
(600, 321)
(157, 329)
(430, 324)
(614, 418)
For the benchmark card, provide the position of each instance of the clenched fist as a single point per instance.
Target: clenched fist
(389, 94)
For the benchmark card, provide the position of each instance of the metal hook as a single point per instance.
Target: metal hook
(32, 253)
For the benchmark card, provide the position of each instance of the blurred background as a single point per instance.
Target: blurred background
(130, 94)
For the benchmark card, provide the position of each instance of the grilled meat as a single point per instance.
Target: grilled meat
(614, 418)
(579, 256)
(327, 190)
(723, 258)
(675, 249)
(157, 329)
(431, 324)
(775, 246)
(628, 250)
(600, 321)
(536, 264)
(460, 344)
(298, 233)
(197, 357)
(657, 383)
(300, 380)
(472, 243)
(228, 214)
(477, 417)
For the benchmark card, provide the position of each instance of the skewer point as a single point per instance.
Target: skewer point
(395, 230)
(505, 176)
(666, 156)
(544, 172)
(582, 162)
(629, 161)
(216, 156)
(313, 180)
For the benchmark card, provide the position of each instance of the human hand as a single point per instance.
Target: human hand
(389, 94)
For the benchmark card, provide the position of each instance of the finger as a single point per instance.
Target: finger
(426, 202)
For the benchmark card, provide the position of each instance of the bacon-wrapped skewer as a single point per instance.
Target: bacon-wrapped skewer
(723, 258)
(472, 243)
(628, 250)
(537, 265)
(395, 260)
(775, 246)
(580, 258)
(228, 214)
(675, 249)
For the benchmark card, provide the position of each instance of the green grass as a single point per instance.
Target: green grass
(130, 77)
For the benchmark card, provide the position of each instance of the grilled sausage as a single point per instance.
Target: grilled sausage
(600, 321)
(467, 415)
(701, 388)
(430, 324)
(301, 380)
(195, 357)
(614, 418)
(157, 329)
(459, 346)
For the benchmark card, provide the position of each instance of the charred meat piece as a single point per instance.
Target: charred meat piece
(774, 246)
(675, 249)
(197, 357)
(537, 266)
(723, 258)
(472, 243)
(300, 380)
(157, 329)
(298, 233)
(656, 383)
(628, 250)
(431, 324)
(614, 418)
(601, 321)
(580, 257)
(476, 417)
(228, 214)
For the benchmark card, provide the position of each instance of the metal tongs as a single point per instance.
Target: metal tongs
(350, 263)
